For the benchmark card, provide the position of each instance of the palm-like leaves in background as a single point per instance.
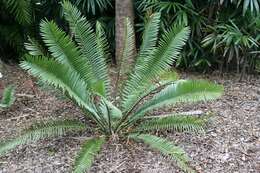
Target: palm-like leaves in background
(93, 6)
(248, 5)
(20, 9)
(78, 68)
(231, 41)
(8, 97)
(15, 20)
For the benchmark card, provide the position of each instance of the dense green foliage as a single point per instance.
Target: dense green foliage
(76, 65)
(20, 19)
(224, 33)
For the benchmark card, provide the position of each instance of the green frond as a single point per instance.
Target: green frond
(173, 122)
(182, 91)
(59, 76)
(168, 51)
(128, 51)
(102, 41)
(150, 37)
(41, 131)
(65, 50)
(87, 154)
(34, 48)
(166, 147)
(8, 97)
(86, 38)
(21, 9)
(159, 62)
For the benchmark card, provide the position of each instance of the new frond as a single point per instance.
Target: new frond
(8, 97)
(41, 131)
(87, 154)
(166, 147)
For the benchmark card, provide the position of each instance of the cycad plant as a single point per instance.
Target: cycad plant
(77, 67)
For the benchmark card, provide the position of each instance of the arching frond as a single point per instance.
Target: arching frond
(64, 50)
(173, 122)
(166, 147)
(61, 77)
(21, 9)
(86, 39)
(150, 35)
(182, 91)
(169, 48)
(168, 51)
(41, 131)
(8, 97)
(87, 154)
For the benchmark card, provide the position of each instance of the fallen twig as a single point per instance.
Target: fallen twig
(25, 95)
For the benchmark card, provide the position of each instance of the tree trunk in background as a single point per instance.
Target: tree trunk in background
(124, 8)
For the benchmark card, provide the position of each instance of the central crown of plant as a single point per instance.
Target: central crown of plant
(76, 65)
